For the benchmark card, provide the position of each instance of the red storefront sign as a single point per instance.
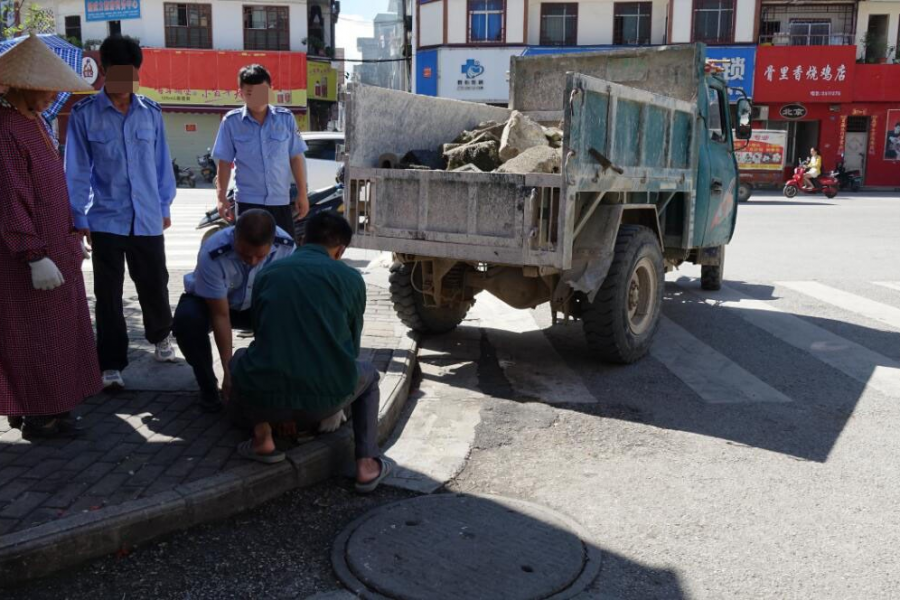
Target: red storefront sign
(804, 74)
(209, 77)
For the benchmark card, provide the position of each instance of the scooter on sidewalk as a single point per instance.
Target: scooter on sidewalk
(326, 199)
(825, 184)
(208, 169)
(183, 176)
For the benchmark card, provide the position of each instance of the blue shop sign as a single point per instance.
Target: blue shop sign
(739, 72)
(111, 10)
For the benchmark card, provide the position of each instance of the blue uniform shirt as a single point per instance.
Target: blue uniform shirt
(221, 273)
(118, 167)
(261, 153)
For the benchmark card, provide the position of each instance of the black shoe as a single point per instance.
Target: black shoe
(15, 422)
(210, 402)
(57, 428)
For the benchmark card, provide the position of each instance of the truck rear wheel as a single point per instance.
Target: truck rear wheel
(711, 275)
(409, 304)
(620, 323)
(744, 192)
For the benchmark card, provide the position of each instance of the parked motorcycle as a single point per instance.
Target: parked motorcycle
(207, 166)
(183, 176)
(851, 180)
(326, 199)
(823, 183)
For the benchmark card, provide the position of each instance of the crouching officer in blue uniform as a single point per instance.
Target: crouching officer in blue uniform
(218, 294)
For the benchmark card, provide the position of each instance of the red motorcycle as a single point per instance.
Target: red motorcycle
(823, 183)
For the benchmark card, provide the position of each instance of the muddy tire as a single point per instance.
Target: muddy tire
(744, 192)
(410, 307)
(711, 276)
(620, 323)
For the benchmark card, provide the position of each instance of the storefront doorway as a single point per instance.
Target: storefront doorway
(856, 144)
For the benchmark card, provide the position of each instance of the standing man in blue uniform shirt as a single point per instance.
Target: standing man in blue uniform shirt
(217, 295)
(121, 185)
(264, 145)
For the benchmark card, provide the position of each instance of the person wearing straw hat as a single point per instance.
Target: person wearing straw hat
(48, 359)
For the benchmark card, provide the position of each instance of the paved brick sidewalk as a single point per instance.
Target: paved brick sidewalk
(143, 441)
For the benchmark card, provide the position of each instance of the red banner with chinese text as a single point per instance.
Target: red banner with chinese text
(209, 77)
(804, 74)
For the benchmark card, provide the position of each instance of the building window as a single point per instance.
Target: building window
(714, 21)
(188, 25)
(115, 28)
(810, 32)
(266, 28)
(559, 24)
(631, 23)
(487, 21)
(73, 28)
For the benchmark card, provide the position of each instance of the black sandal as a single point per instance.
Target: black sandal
(15, 422)
(55, 428)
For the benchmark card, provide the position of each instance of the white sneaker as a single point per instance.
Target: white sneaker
(112, 380)
(165, 351)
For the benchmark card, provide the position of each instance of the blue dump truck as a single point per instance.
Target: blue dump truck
(647, 181)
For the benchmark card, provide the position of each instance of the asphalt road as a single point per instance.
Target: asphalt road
(753, 454)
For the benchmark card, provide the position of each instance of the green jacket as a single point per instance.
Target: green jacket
(307, 320)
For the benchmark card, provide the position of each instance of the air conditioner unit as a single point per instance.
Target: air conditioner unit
(760, 113)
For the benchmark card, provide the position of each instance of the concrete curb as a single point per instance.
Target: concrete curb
(72, 540)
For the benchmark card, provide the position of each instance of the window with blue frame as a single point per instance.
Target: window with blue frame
(487, 21)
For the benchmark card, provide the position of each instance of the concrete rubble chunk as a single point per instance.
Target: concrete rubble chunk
(484, 155)
(520, 134)
(448, 147)
(425, 158)
(494, 128)
(468, 169)
(554, 136)
(538, 159)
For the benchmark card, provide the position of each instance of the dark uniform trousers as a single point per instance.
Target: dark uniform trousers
(191, 328)
(283, 215)
(146, 259)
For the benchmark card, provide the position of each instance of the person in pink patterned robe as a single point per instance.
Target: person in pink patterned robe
(48, 360)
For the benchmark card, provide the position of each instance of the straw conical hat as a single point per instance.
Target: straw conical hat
(31, 65)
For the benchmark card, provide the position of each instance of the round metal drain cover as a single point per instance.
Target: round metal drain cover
(466, 547)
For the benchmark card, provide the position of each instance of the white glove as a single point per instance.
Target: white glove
(85, 251)
(45, 275)
(333, 422)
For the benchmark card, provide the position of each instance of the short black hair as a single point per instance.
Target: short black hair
(253, 75)
(255, 227)
(328, 229)
(118, 50)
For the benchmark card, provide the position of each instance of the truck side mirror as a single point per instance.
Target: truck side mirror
(743, 131)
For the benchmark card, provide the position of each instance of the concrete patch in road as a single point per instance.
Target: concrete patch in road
(871, 309)
(713, 376)
(530, 362)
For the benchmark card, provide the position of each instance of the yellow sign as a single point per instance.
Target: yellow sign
(322, 81)
(302, 121)
(286, 98)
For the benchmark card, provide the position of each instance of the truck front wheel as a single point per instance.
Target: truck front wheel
(620, 323)
(409, 304)
(711, 275)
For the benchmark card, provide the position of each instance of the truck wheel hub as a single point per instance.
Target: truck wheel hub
(641, 292)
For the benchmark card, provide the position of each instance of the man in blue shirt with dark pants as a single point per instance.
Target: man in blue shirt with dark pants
(121, 185)
(264, 145)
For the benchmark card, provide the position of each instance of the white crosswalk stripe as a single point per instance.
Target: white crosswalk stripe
(850, 358)
(847, 301)
(713, 376)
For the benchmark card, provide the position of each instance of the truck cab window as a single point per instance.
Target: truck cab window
(715, 120)
(321, 149)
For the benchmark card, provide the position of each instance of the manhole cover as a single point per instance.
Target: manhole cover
(471, 547)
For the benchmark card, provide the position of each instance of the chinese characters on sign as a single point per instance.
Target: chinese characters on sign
(112, 10)
(842, 139)
(805, 73)
(737, 68)
(892, 139)
(793, 111)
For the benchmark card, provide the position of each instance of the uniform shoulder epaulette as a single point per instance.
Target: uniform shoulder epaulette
(283, 110)
(151, 103)
(82, 103)
(220, 251)
(283, 241)
(233, 112)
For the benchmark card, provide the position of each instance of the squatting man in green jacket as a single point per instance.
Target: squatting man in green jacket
(302, 366)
